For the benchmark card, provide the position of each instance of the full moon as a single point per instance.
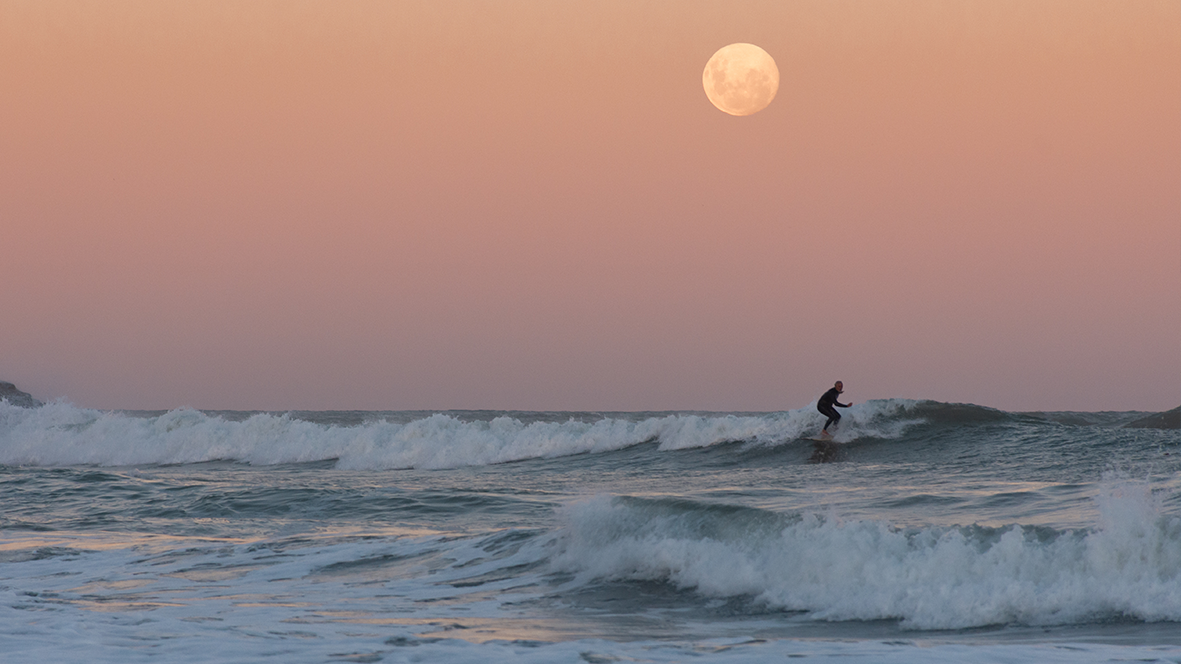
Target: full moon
(741, 79)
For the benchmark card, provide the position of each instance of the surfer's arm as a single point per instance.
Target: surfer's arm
(843, 405)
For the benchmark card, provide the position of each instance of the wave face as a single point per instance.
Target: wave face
(1128, 568)
(59, 434)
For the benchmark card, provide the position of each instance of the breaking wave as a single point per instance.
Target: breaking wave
(60, 434)
(1128, 567)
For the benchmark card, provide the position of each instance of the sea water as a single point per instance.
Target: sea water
(926, 532)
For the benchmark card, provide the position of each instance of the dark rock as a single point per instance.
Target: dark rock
(9, 393)
(1170, 419)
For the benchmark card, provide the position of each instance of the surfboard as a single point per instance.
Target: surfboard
(826, 451)
(821, 438)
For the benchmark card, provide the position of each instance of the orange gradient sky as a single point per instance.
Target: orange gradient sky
(533, 205)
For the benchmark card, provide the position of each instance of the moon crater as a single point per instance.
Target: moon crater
(741, 79)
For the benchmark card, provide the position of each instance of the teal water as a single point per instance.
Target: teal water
(368, 535)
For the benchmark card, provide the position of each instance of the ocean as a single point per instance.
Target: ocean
(926, 532)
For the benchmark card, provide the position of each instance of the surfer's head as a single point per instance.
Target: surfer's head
(840, 386)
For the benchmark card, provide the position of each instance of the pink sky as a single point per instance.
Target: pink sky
(531, 204)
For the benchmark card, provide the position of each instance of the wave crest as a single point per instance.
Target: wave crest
(931, 578)
(60, 434)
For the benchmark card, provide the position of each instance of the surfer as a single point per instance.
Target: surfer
(826, 403)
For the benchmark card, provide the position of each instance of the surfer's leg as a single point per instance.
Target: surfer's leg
(833, 417)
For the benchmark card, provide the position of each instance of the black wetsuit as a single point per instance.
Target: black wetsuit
(825, 406)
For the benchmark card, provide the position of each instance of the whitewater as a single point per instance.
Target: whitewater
(926, 532)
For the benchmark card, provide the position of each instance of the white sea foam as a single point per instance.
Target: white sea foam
(399, 597)
(319, 585)
(59, 434)
(1129, 565)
